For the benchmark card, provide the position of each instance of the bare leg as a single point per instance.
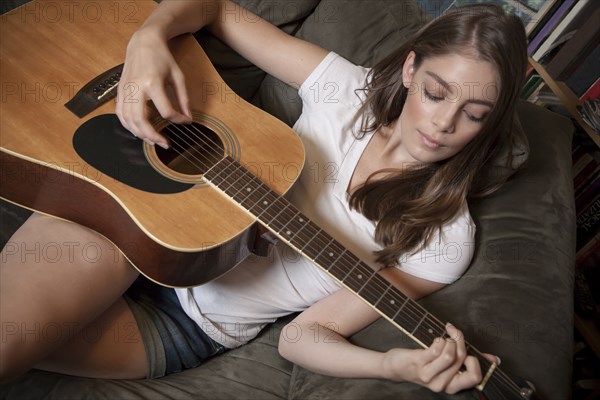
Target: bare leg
(111, 347)
(56, 278)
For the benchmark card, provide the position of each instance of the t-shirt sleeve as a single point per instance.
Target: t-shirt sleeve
(447, 255)
(332, 83)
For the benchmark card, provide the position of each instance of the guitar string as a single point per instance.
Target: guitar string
(484, 361)
(423, 318)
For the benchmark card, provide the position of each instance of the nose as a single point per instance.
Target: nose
(443, 118)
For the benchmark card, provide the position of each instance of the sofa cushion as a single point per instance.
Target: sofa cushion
(515, 300)
(241, 75)
(364, 32)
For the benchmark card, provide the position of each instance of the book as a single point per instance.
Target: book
(581, 162)
(563, 27)
(588, 222)
(530, 85)
(588, 249)
(584, 40)
(592, 93)
(543, 18)
(585, 198)
(583, 179)
(586, 73)
(556, 17)
(542, 8)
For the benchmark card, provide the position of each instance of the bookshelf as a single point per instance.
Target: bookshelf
(562, 43)
(567, 97)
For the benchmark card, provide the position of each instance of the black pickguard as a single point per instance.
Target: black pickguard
(107, 146)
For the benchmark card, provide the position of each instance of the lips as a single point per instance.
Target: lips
(429, 142)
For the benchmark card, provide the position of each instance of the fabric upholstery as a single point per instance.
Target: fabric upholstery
(515, 300)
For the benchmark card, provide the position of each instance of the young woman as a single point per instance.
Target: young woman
(409, 138)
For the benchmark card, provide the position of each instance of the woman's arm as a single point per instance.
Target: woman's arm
(319, 344)
(150, 66)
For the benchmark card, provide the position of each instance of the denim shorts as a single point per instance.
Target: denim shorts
(172, 340)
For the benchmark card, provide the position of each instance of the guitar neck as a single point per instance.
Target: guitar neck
(289, 224)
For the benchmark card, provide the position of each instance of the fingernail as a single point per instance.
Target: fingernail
(449, 325)
(163, 145)
(498, 360)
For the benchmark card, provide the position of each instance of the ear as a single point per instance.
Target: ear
(408, 69)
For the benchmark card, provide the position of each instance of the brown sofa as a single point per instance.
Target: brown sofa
(515, 300)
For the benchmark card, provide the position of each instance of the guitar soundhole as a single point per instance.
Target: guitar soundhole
(194, 148)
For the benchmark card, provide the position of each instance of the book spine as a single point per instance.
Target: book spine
(586, 196)
(535, 43)
(593, 92)
(588, 223)
(577, 48)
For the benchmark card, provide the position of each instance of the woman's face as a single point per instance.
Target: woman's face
(448, 100)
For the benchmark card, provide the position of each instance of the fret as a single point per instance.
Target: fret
(382, 296)
(358, 276)
(407, 320)
(293, 226)
(329, 255)
(434, 330)
(216, 172)
(370, 291)
(318, 232)
(227, 176)
(341, 271)
(236, 181)
(324, 248)
(290, 224)
(266, 203)
(248, 198)
(269, 209)
(418, 324)
(398, 310)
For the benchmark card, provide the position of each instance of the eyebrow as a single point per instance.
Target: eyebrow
(447, 86)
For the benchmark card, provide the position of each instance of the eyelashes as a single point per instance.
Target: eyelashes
(431, 97)
(437, 99)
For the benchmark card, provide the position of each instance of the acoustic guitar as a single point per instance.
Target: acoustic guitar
(181, 216)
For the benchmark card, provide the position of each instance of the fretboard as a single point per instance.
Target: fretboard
(290, 225)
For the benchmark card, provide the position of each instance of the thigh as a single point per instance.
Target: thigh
(111, 347)
(56, 277)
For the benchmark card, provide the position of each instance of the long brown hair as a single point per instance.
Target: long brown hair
(411, 205)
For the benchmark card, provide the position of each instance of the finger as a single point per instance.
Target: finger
(438, 371)
(181, 92)
(466, 379)
(433, 351)
(135, 119)
(146, 132)
(454, 333)
(165, 107)
(457, 337)
(492, 358)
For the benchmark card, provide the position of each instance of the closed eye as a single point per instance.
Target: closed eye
(473, 118)
(432, 97)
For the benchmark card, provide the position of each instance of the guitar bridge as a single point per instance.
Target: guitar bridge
(96, 92)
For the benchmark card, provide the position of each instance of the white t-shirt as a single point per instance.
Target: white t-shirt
(233, 308)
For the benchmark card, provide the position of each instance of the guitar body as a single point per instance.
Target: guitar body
(174, 227)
